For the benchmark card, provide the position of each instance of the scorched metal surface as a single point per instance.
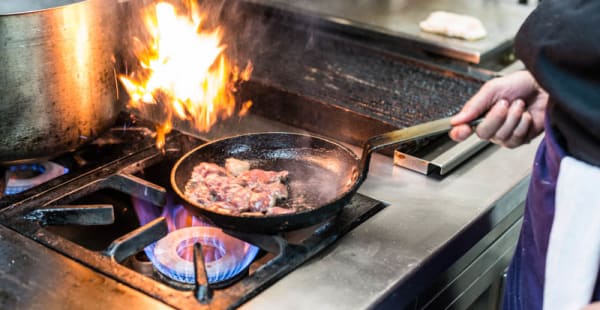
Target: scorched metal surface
(326, 68)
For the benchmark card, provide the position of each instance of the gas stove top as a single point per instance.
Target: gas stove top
(110, 209)
(76, 238)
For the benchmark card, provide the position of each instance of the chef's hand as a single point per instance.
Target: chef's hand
(515, 107)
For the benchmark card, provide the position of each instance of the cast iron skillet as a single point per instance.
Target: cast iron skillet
(322, 173)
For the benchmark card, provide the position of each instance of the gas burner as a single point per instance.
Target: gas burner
(172, 256)
(224, 256)
(20, 178)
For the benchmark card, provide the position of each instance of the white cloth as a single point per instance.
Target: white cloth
(573, 254)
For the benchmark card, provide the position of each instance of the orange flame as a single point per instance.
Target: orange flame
(184, 68)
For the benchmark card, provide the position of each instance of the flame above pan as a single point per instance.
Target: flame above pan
(183, 68)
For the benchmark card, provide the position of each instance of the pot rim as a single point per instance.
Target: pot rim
(35, 7)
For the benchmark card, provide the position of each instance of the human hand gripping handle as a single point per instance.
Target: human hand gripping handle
(514, 107)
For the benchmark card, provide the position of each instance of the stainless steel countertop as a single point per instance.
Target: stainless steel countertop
(35, 277)
(389, 252)
(425, 215)
(401, 18)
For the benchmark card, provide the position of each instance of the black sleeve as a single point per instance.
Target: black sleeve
(560, 44)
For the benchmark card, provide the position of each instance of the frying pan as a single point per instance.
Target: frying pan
(323, 174)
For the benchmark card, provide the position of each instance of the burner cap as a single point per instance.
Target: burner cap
(20, 178)
(224, 255)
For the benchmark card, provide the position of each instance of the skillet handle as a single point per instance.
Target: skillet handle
(404, 135)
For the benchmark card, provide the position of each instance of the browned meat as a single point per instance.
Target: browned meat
(237, 189)
(261, 201)
(258, 176)
(236, 166)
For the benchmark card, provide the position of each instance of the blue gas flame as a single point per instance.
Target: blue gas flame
(224, 256)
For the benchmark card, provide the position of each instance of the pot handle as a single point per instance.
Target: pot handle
(404, 135)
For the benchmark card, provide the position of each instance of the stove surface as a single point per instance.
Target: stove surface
(89, 238)
(36, 277)
(84, 220)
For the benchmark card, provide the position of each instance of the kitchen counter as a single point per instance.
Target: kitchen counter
(400, 19)
(390, 252)
(428, 225)
(35, 277)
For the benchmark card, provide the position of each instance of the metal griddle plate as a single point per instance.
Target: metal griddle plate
(387, 88)
(400, 19)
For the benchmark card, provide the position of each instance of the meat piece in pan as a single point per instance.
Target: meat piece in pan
(236, 188)
(260, 177)
(236, 166)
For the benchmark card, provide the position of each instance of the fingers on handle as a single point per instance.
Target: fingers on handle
(521, 133)
(515, 111)
(477, 105)
(493, 120)
(460, 132)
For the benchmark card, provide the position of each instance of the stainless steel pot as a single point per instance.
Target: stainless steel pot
(57, 75)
